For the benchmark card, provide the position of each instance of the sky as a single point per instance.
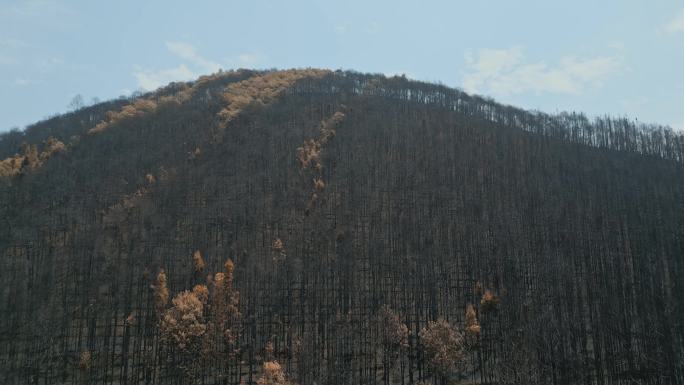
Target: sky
(618, 57)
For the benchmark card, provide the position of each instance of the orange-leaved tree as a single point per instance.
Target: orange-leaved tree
(443, 347)
(273, 374)
(201, 324)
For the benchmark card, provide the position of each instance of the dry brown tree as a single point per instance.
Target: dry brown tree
(279, 253)
(392, 338)
(85, 360)
(202, 325)
(489, 302)
(161, 293)
(225, 308)
(183, 324)
(273, 374)
(443, 348)
(198, 261)
(472, 325)
(30, 159)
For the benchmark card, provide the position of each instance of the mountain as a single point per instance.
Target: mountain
(327, 227)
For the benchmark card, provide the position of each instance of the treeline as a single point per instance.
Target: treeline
(378, 230)
(620, 134)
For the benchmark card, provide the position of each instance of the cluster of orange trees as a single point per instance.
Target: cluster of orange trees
(201, 325)
(30, 158)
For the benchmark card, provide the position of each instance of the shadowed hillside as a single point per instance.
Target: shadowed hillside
(320, 227)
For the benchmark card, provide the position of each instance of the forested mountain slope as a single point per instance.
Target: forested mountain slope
(339, 228)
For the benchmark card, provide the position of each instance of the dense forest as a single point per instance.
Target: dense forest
(328, 227)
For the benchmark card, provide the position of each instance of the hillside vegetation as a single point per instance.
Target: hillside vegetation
(327, 227)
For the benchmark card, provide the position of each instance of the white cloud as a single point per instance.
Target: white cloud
(188, 52)
(20, 81)
(676, 24)
(151, 80)
(506, 71)
(192, 67)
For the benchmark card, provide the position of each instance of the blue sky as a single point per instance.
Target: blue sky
(622, 58)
